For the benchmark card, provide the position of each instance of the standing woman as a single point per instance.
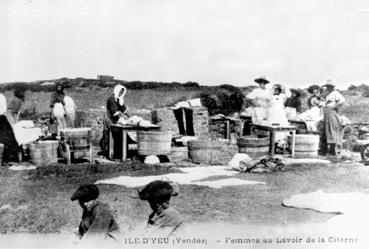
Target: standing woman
(293, 104)
(115, 109)
(10, 145)
(276, 113)
(332, 127)
(57, 106)
(15, 106)
(259, 101)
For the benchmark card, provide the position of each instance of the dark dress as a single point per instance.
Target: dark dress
(98, 221)
(294, 102)
(112, 106)
(7, 138)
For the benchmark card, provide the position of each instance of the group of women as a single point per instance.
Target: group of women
(62, 110)
(275, 106)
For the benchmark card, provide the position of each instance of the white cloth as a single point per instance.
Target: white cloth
(277, 115)
(311, 117)
(26, 135)
(188, 103)
(190, 175)
(261, 98)
(24, 124)
(334, 98)
(69, 106)
(291, 112)
(116, 92)
(3, 106)
(58, 110)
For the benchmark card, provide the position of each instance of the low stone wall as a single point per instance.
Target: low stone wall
(165, 118)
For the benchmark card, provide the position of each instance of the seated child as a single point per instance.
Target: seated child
(164, 219)
(97, 219)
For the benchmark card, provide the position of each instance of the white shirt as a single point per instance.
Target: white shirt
(3, 106)
(334, 98)
(260, 93)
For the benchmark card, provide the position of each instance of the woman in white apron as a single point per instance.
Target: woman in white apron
(259, 99)
(276, 114)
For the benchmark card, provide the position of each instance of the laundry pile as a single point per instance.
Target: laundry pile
(135, 120)
(266, 164)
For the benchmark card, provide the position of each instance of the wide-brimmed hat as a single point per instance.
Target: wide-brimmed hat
(312, 88)
(156, 190)
(86, 193)
(261, 80)
(330, 83)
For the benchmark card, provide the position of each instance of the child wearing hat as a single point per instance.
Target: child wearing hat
(97, 219)
(164, 219)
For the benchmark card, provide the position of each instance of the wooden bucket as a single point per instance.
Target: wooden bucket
(1, 153)
(44, 152)
(79, 140)
(254, 146)
(154, 142)
(306, 145)
(204, 151)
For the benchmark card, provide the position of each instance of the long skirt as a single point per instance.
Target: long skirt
(332, 128)
(105, 142)
(7, 138)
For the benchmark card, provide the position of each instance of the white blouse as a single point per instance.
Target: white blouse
(3, 106)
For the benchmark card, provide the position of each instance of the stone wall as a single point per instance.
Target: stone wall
(167, 121)
(92, 118)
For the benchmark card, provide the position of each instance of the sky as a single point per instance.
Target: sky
(292, 42)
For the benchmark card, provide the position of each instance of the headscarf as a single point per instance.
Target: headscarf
(59, 84)
(116, 92)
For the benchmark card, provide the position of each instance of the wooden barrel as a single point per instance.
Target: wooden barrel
(79, 140)
(44, 153)
(306, 145)
(254, 146)
(1, 153)
(154, 142)
(204, 151)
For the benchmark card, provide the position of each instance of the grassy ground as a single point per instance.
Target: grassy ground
(38, 201)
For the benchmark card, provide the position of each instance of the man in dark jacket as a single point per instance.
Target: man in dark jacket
(97, 219)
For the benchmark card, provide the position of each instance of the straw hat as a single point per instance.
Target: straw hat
(262, 80)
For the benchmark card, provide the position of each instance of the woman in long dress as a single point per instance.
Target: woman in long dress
(276, 114)
(7, 137)
(314, 114)
(333, 129)
(115, 109)
(57, 106)
(259, 101)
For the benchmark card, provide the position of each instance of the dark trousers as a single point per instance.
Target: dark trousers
(188, 128)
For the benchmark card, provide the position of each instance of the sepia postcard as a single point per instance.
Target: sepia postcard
(184, 124)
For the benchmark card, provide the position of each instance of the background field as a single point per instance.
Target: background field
(355, 108)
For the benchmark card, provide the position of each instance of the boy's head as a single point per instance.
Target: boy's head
(157, 193)
(86, 196)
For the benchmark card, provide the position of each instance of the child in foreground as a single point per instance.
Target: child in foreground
(97, 219)
(164, 219)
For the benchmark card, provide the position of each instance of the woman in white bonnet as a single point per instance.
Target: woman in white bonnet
(115, 109)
